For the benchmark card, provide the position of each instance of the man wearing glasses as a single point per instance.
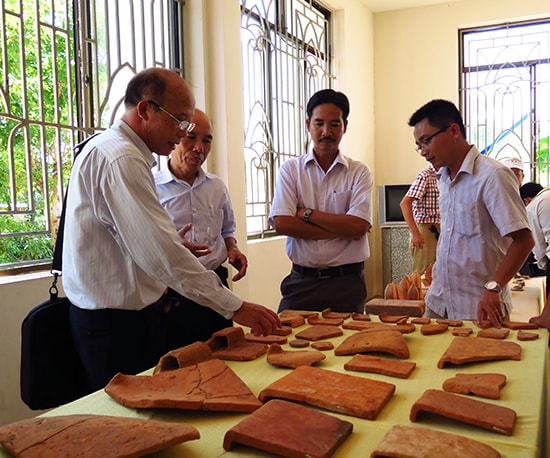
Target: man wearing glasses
(485, 236)
(121, 250)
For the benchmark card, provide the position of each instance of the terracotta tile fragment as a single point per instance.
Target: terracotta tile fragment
(466, 410)
(230, 344)
(403, 441)
(494, 333)
(265, 430)
(210, 385)
(283, 331)
(524, 335)
(484, 385)
(461, 351)
(91, 436)
(272, 339)
(347, 394)
(325, 321)
(328, 313)
(276, 356)
(410, 308)
(360, 316)
(323, 346)
(318, 332)
(422, 320)
(405, 328)
(384, 341)
(385, 317)
(185, 356)
(431, 329)
(293, 321)
(385, 366)
(462, 332)
(519, 325)
(304, 313)
(451, 323)
(299, 343)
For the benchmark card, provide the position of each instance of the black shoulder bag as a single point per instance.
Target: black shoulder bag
(51, 370)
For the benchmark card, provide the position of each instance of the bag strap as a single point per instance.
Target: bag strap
(57, 261)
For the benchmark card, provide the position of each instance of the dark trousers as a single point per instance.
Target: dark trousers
(307, 291)
(111, 341)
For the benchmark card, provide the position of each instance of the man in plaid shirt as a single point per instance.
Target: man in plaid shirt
(420, 207)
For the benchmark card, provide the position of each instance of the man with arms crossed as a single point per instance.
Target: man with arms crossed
(323, 204)
(121, 250)
(485, 236)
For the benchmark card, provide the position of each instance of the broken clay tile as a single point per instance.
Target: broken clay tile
(484, 385)
(283, 331)
(451, 323)
(293, 321)
(519, 325)
(384, 341)
(230, 344)
(431, 329)
(91, 436)
(524, 335)
(271, 339)
(185, 356)
(347, 394)
(276, 356)
(318, 332)
(421, 320)
(385, 317)
(323, 346)
(494, 333)
(210, 385)
(299, 343)
(265, 431)
(328, 313)
(304, 313)
(471, 349)
(462, 332)
(384, 366)
(403, 442)
(466, 410)
(360, 316)
(325, 321)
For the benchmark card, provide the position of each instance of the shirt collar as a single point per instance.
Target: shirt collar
(165, 176)
(120, 125)
(467, 165)
(339, 159)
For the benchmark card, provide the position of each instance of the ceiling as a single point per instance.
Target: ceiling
(378, 6)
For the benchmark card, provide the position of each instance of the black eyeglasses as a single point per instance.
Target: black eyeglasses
(183, 125)
(425, 143)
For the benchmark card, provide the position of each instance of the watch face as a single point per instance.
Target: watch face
(492, 285)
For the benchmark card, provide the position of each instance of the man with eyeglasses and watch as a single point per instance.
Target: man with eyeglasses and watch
(199, 204)
(322, 204)
(121, 249)
(485, 236)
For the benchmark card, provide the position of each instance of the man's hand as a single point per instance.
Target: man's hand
(260, 320)
(196, 249)
(238, 261)
(417, 240)
(490, 308)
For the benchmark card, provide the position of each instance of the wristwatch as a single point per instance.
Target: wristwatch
(492, 286)
(307, 214)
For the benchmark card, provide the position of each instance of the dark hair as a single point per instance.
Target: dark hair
(440, 113)
(328, 96)
(147, 84)
(530, 190)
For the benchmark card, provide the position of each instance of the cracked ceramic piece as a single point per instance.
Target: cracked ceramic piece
(360, 316)
(323, 346)
(271, 339)
(230, 344)
(210, 385)
(385, 317)
(328, 313)
(304, 432)
(315, 320)
(276, 356)
(185, 356)
(407, 307)
(434, 328)
(524, 335)
(462, 332)
(318, 332)
(466, 410)
(403, 442)
(519, 325)
(91, 436)
(293, 321)
(471, 349)
(451, 323)
(351, 395)
(384, 341)
(384, 366)
(403, 328)
(494, 333)
(299, 343)
(484, 385)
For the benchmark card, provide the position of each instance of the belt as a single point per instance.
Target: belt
(329, 272)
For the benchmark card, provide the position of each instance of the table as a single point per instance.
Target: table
(525, 392)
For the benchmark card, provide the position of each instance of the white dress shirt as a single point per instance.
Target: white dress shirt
(346, 188)
(121, 250)
(206, 205)
(538, 213)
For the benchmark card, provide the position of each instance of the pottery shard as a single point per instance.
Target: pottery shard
(494, 333)
(328, 313)
(265, 430)
(466, 410)
(421, 320)
(347, 394)
(318, 332)
(519, 325)
(293, 321)
(384, 341)
(385, 366)
(484, 385)
(524, 335)
(299, 343)
(276, 356)
(385, 317)
(403, 442)
(323, 346)
(403, 328)
(230, 344)
(462, 332)
(185, 356)
(431, 329)
(304, 313)
(377, 306)
(90, 436)
(271, 339)
(325, 321)
(360, 316)
(283, 331)
(210, 385)
(472, 349)
(451, 323)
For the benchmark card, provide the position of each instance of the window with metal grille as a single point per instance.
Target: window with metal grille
(286, 57)
(505, 92)
(64, 67)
